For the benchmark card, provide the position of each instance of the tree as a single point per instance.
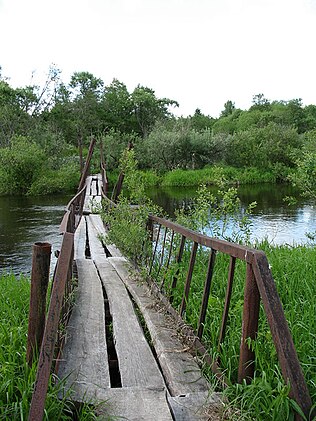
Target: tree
(117, 107)
(148, 109)
(229, 108)
(199, 121)
(260, 102)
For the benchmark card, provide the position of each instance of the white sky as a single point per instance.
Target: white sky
(198, 52)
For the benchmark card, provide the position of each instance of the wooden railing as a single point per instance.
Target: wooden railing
(259, 285)
(59, 306)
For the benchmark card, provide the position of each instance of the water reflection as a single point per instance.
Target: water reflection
(24, 221)
(272, 218)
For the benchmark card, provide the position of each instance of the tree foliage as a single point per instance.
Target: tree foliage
(56, 117)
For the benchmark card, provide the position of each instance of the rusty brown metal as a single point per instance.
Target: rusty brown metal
(39, 282)
(289, 363)
(241, 252)
(188, 280)
(155, 250)
(178, 260)
(87, 165)
(73, 212)
(50, 333)
(231, 272)
(259, 283)
(206, 293)
(250, 321)
(168, 261)
(162, 251)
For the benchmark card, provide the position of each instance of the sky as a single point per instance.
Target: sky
(200, 53)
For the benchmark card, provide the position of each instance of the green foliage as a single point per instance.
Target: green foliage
(267, 397)
(64, 179)
(16, 377)
(213, 175)
(219, 215)
(263, 147)
(20, 164)
(179, 147)
(305, 173)
(123, 218)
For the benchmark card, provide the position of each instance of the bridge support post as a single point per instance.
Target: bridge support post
(39, 283)
(249, 327)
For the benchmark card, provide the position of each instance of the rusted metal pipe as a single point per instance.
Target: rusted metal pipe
(250, 320)
(188, 280)
(39, 283)
(206, 293)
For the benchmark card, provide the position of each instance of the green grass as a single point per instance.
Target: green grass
(294, 271)
(215, 174)
(16, 377)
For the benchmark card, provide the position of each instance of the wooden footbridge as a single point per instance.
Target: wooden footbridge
(119, 349)
(107, 357)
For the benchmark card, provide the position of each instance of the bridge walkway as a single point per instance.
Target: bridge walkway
(122, 352)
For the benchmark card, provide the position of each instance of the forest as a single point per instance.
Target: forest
(42, 127)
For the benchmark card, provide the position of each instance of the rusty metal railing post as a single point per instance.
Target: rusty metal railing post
(87, 165)
(206, 293)
(50, 333)
(39, 283)
(188, 280)
(250, 320)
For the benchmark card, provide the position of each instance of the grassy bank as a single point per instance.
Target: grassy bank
(208, 176)
(16, 377)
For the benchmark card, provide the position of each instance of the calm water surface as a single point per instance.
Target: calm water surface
(26, 220)
(272, 218)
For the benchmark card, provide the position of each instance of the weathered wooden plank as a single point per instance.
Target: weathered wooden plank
(94, 186)
(99, 229)
(181, 372)
(134, 404)
(84, 362)
(95, 244)
(80, 240)
(137, 364)
(198, 406)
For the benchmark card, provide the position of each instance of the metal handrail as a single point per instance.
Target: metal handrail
(259, 284)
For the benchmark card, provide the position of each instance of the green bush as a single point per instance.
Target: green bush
(20, 165)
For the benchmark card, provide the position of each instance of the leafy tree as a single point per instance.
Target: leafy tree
(200, 121)
(305, 174)
(14, 119)
(117, 107)
(19, 165)
(264, 147)
(148, 109)
(229, 108)
(260, 102)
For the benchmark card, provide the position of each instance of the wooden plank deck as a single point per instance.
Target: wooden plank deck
(153, 377)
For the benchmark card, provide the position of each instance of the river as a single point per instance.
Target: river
(26, 220)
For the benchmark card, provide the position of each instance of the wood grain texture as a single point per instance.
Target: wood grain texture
(181, 372)
(94, 231)
(137, 364)
(80, 240)
(134, 404)
(84, 362)
(99, 229)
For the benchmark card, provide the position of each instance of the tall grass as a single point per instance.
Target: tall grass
(294, 271)
(16, 377)
(215, 174)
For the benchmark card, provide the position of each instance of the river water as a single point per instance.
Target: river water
(272, 219)
(26, 220)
